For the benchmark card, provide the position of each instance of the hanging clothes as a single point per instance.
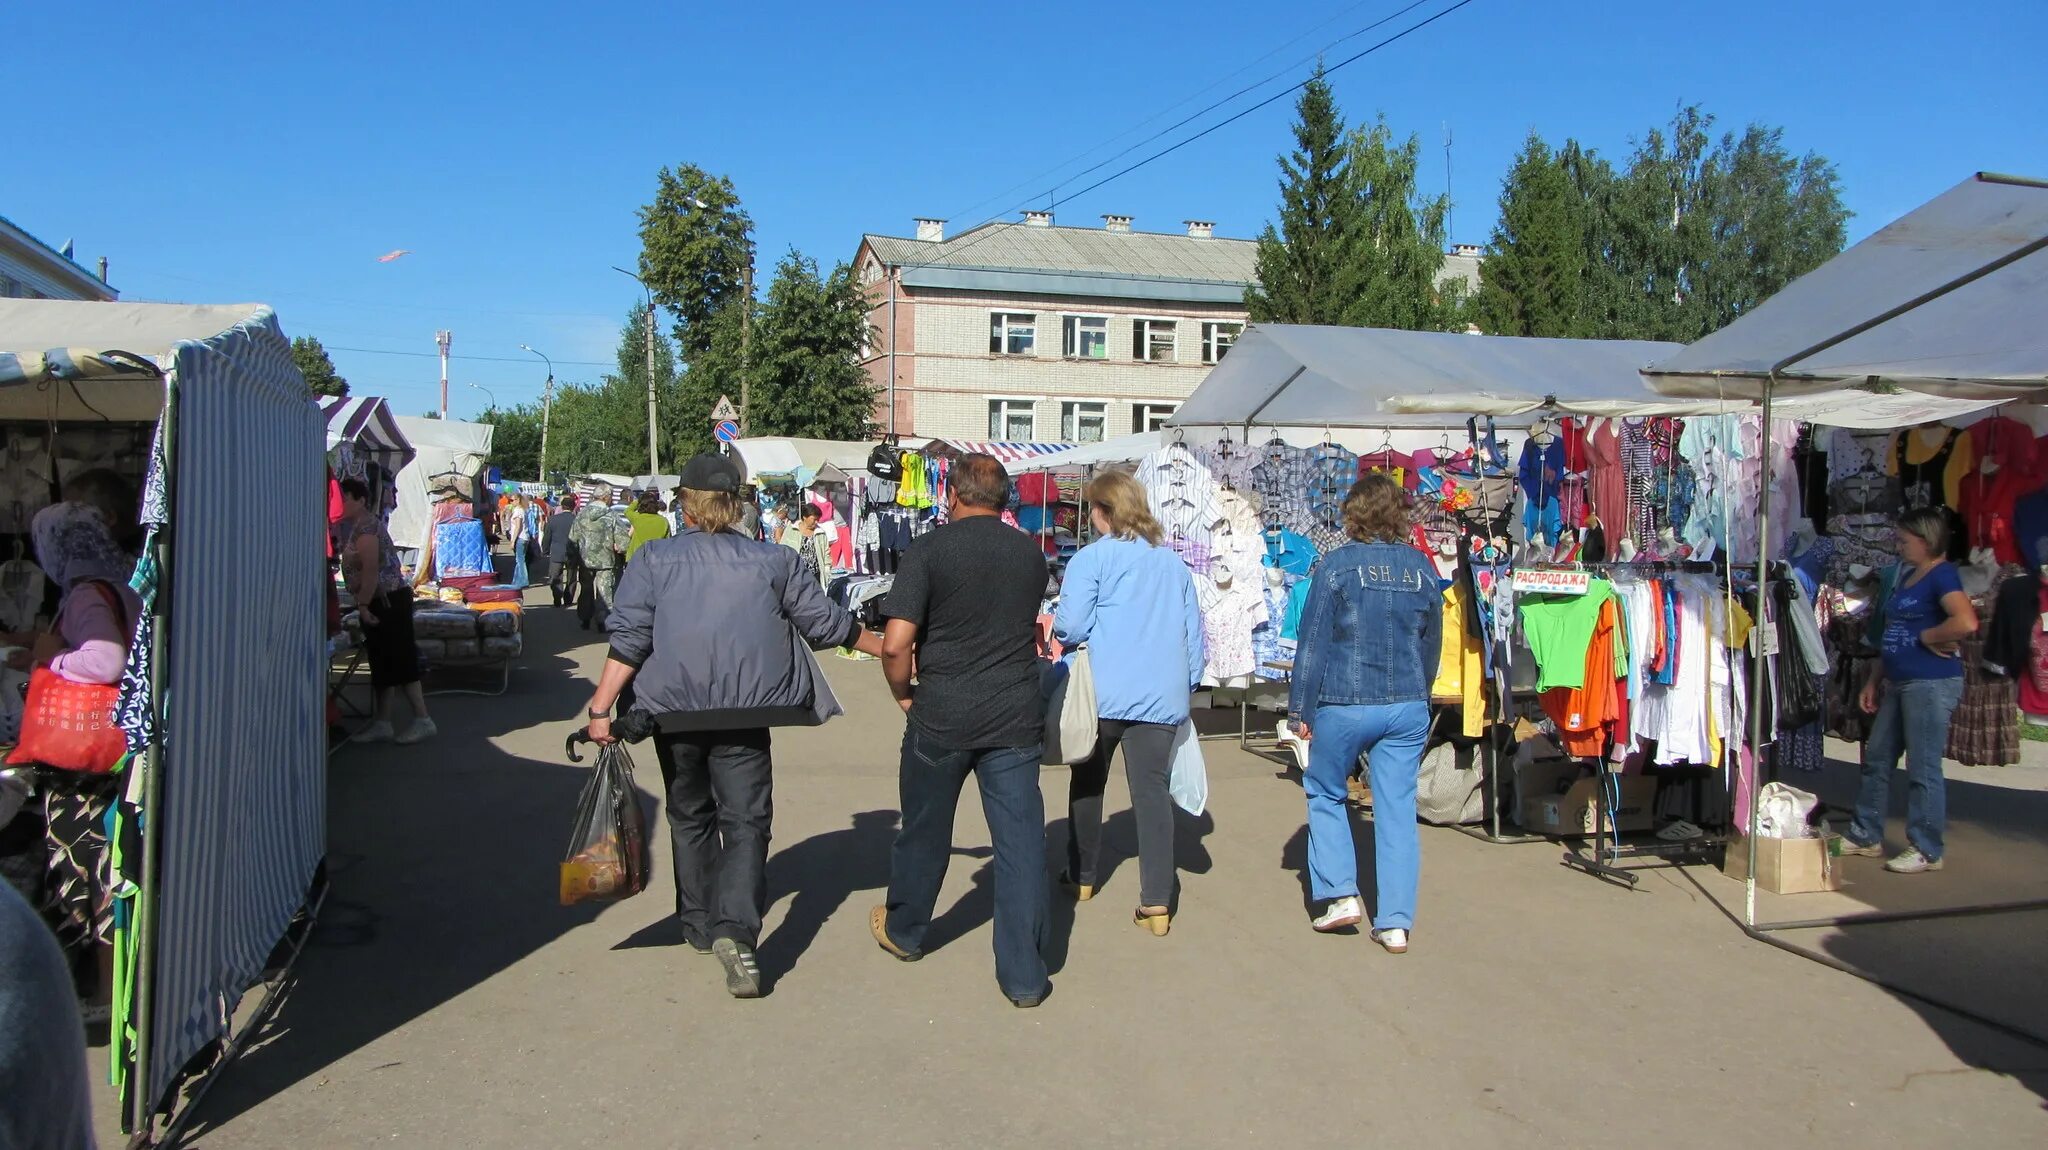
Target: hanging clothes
(2004, 470)
(1183, 497)
(1541, 476)
(1607, 482)
(1931, 464)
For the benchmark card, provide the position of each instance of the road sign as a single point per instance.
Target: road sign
(725, 409)
(726, 431)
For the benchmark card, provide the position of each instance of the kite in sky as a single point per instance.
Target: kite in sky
(389, 256)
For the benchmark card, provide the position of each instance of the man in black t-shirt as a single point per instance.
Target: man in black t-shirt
(963, 616)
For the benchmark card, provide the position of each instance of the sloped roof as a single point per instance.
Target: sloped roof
(1028, 247)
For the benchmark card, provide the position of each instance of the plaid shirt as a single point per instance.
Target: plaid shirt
(1331, 472)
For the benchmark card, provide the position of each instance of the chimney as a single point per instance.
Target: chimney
(933, 231)
(1200, 229)
(103, 269)
(1116, 223)
(1037, 219)
(1469, 251)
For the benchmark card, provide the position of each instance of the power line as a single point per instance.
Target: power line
(1176, 146)
(1190, 98)
(472, 358)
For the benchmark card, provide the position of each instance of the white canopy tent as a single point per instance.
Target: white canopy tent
(1298, 375)
(439, 446)
(1947, 301)
(230, 779)
(783, 456)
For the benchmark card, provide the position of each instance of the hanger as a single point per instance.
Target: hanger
(1386, 439)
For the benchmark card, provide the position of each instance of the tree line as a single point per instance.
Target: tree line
(796, 349)
(1680, 237)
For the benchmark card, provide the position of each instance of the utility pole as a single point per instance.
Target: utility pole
(746, 329)
(653, 452)
(547, 407)
(441, 340)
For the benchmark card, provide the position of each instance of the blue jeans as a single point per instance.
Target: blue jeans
(929, 783)
(1392, 735)
(1912, 716)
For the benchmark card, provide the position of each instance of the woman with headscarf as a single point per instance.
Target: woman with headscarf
(88, 643)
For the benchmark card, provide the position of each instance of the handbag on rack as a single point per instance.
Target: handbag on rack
(1070, 718)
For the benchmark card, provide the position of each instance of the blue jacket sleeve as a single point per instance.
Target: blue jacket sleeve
(631, 621)
(1312, 651)
(1194, 639)
(1075, 620)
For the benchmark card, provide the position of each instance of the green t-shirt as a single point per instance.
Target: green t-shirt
(647, 527)
(1559, 629)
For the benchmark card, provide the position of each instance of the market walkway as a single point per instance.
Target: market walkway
(448, 1001)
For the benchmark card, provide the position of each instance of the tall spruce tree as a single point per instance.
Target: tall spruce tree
(1535, 278)
(1301, 263)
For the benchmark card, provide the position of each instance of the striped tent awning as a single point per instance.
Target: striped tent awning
(1003, 452)
(367, 422)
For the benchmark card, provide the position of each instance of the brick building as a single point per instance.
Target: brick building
(1033, 332)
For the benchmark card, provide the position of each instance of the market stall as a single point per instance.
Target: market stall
(441, 448)
(227, 793)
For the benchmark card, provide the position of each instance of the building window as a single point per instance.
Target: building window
(1153, 341)
(1085, 337)
(1012, 421)
(1083, 422)
(1217, 339)
(1151, 416)
(1011, 333)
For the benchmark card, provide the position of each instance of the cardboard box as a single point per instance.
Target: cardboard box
(1786, 866)
(1556, 801)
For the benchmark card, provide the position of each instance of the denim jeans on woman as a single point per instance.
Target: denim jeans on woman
(929, 784)
(1912, 717)
(1391, 735)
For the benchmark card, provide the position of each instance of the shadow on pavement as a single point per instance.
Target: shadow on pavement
(820, 874)
(443, 860)
(1294, 857)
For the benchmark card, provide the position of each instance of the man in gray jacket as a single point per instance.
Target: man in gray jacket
(714, 631)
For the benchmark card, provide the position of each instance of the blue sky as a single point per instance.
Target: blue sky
(218, 152)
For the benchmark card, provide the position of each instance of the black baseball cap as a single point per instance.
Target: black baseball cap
(710, 473)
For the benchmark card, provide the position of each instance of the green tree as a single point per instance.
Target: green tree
(1536, 262)
(515, 444)
(313, 363)
(1301, 263)
(808, 379)
(696, 245)
(1394, 249)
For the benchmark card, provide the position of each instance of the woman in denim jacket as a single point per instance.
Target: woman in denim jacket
(1370, 639)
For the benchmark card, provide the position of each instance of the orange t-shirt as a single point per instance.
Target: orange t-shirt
(1585, 715)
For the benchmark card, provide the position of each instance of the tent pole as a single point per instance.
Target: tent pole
(1285, 384)
(1757, 676)
(142, 1085)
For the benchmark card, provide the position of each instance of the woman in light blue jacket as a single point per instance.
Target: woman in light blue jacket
(1132, 602)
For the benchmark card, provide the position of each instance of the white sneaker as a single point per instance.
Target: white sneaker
(377, 732)
(1393, 938)
(420, 731)
(1343, 912)
(1912, 862)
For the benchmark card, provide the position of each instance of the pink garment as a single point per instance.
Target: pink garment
(1608, 486)
(95, 636)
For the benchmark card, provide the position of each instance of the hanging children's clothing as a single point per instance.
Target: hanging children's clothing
(1541, 474)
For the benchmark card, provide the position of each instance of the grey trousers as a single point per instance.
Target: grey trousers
(1148, 762)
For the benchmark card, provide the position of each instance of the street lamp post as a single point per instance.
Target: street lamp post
(487, 393)
(547, 407)
(653, 452)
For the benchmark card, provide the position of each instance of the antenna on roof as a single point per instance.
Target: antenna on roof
(1450, 204)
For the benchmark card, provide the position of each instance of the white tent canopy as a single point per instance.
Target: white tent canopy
(1125, 449)
(778, 455)
(439, 445)
(56, 362)
(1891, 309)
(1293, 374)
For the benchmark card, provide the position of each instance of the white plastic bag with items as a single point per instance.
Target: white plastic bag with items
(1782, 812)
(1189, 781)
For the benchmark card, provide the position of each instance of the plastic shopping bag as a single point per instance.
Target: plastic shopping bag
(607, 856)
(1783, 811)
(1189, 783)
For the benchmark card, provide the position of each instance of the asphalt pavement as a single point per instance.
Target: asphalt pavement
(447, 999)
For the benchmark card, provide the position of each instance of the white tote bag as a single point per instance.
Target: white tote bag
(1189, 783)
(1070, 720)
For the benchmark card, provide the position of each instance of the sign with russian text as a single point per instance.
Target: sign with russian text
(1535, 581)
